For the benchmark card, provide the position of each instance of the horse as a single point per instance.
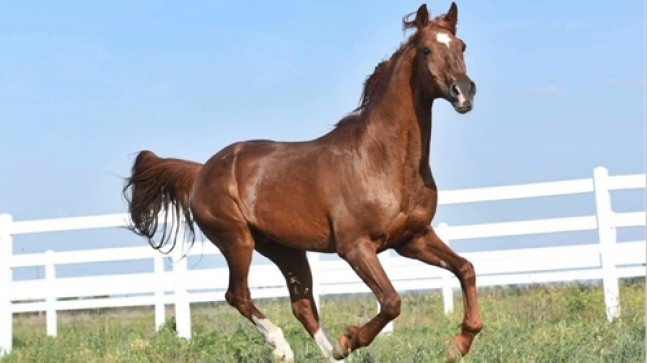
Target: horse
(363, 188)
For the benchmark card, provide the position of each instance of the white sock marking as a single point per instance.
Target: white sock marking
(274, 337)
(325, 346)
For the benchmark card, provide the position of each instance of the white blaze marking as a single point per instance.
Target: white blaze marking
(443, 38)
(274, 337)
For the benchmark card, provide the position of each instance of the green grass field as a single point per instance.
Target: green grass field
(535, 324)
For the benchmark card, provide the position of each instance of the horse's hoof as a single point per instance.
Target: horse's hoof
(341, 349)
(333, 359)
(282, 356)
(453, 353)
(282, 359)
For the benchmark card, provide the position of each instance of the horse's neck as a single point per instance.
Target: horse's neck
(400, 122)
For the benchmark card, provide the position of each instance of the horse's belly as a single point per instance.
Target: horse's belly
(311, 235)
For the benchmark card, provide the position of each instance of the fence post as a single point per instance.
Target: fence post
(448, 292)
(6, 279)
(50, 301)
(160, 307)
(384, 260)
(313, 259)
(182, 305)
(607, 236)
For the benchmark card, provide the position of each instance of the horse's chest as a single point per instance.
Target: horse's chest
(411, 220)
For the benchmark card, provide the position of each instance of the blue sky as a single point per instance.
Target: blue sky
(85, 85)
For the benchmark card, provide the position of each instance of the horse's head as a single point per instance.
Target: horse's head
(439, 58)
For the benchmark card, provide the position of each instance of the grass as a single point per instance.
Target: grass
(544, 323)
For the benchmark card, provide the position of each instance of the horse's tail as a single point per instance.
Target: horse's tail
(161, 185)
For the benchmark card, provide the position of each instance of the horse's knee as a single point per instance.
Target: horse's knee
(390, 307)
(466, 271)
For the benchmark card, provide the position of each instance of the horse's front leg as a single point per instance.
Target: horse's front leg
(362, 257)
(429, 248)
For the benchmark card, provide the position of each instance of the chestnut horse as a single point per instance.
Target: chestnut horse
(361, 189)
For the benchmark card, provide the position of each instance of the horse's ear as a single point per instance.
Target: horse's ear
(452, 15)
(422, 16)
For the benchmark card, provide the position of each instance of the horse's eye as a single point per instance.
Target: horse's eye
(426, 51)
(464, 46)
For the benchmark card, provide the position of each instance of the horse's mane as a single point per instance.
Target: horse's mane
(381, 69)
(373, 80)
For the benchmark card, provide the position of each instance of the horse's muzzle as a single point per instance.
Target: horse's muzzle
(461, 94)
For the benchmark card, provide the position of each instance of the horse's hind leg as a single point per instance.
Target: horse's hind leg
(431, 249)
(295, 268)
(237, 246)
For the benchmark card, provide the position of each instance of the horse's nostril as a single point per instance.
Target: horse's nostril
(473, 89)
(453, 90)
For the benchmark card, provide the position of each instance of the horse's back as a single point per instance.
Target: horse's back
(274, 187)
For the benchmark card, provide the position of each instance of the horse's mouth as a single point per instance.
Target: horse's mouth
(462, 108)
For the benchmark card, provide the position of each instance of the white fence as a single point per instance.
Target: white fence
(604, 259)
